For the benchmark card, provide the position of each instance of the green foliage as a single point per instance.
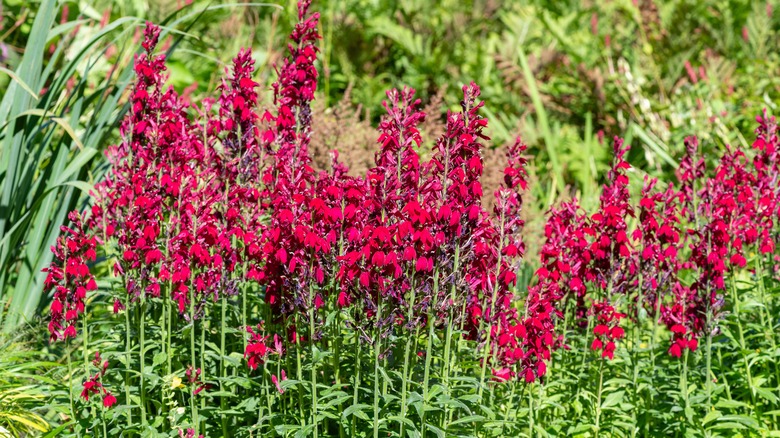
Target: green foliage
(23, 393)
(622, 64)
(55, 119)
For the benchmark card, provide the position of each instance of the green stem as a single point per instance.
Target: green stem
(222, 368)
(654, 339)
(169, 315)
(708, 375)
(86, 343)
(448, 337)
(141, 334)
(725, 379)
(299, 369)
(531, 411)
(377, 349)
(128, 359)
(429, 346)
(193, 406)
(103, 420)
(356, 380)
(244, 334)
(407, 349)
(769, 331)
(487, 347)
(508, 408)
(102, 412)
(598, 396)
(742, 344)
(206, 320)
(684, 382)
(313, 361)
(70, 381)
(337, 365)
(635, 348)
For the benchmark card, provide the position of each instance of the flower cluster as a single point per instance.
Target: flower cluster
(607, 330)
(189, 212)
(196, 207)
(658, 241)
(767, 169)
(611, 267)
(69, 277)
(157, 199)
(94, 384)
(257, 349)
(194, 379)
(703, 227)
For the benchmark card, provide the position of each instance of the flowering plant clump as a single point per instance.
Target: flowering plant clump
(252, 294)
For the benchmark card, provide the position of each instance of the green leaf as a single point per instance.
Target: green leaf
(712, 415)
(23, 84)
(612, 399)
(468, 419)
(439, 433)
(357, 410)
(159, 358)
(741, 419)
(766, 395)
(399, 419)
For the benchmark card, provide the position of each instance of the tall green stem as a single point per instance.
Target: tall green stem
(193, 406)
(531, 411)
(708, 375)
(141, 330)
(86, 342)
(70, 381)
(429, 346)
(356, 380)
(448, 336)
(377, 349)
(684, 381)
(635, 347)
(742, 344)
(128, 360)
(206, 320)
(766, 320)
(299, 369)
(223, 370)
(407, 349)
(313, 360)
(244, 334)
(598, 396)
